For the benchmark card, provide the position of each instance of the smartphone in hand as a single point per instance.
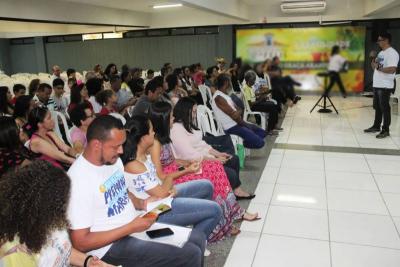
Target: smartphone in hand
(159, 233)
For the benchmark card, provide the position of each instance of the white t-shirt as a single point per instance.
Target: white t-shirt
(57, 250)
(96, 106)
(99, 198)
(221, 116)
(138, 184)
(336, 63)
(386, 58)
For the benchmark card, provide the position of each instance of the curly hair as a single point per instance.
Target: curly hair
(34, 202)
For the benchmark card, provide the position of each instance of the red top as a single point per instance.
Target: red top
(105, 111)
(13, 100)
(73, 105)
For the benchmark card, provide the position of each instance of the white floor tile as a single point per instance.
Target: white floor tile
(297, 222)
(356, 201)
(303, 162)
(302, 153)
(393, 203)
(243, 250)
(383, 166)
(299, 196)
(346, 164)
(263, 193)
(269, 175)
(363, 229)
(301, 177)
(255, 226)
(343, 155)
(346, 255)
(280, 251)
(350, 180)
(388, 183)
(397, 223)
(274, 160)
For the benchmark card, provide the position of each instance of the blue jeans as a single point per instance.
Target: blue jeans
(130, 251)
(193, 206)
(252, 135)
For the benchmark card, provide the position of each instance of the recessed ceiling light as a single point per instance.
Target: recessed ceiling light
(167, 5)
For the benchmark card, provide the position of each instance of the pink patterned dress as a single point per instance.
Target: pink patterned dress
(223, 195)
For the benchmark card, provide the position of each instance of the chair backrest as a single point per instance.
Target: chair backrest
(58, 118)
(130, 111)
(205, 121)
(245, 102)
(397, 91)
(203, 92)
(119, 116)
(268, 79)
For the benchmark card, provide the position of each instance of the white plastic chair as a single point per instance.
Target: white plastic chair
(396, 94)
(203, 92)
(59, 117)
(205, 121)
(119, 116)
(247, 112)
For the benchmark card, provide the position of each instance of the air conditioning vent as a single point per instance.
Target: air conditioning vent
(303, 6)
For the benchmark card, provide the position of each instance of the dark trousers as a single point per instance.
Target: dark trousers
(232, 169)
(335, 78)
(252, 135)
(270, 108)
(382, 108)
(130, 252)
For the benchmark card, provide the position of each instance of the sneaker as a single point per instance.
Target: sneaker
(372, 130)
(383, 134)
(278, 129)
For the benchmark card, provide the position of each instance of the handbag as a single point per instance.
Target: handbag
(222, 143)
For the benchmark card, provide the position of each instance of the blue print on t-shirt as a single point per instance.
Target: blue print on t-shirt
(115, 193)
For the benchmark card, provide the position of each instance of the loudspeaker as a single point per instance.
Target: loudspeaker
(378, 26)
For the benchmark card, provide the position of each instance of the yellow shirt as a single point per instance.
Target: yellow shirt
(249, 94)
(13, 254)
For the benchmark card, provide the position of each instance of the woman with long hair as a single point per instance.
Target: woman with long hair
(23, 105)
(175, 92)
(12, 153)
(191, 203)
(168, 166)
(44, 142)
(33, 86)
(79, 95)
(6, 108)
(33, 221)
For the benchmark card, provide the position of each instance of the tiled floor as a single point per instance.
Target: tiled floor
(321, 208)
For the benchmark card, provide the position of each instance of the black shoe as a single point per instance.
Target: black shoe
(251, 196)
(296, 99)
(383, 134)
(372, 130)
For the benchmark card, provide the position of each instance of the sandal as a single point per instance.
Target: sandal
(256, 218)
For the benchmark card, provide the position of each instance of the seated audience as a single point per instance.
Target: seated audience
(81, 116)
(44, 142)
(101, 221)
(192, 145)
(211, 77)
(125, 98)
(111, 69)
(136, 73)
(126, 77)
(197, 74)
(33, 223)
(33, 86)
(98, 71)
(108, 100)
(6, 108)
(23, 105)
(43, 96)
(191, 204)
(12, 152)
(234, 72)
(18, 90)
(94, 86)
(175, 92)
(60, 101)
(230, 118)
(79, 95)
(56, 70)
(152, 94)
(149, 76)
(259, 101)
(71, 83)
(137, 87)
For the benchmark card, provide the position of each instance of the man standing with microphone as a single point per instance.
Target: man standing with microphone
(384, 66)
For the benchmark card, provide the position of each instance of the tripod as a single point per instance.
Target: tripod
(325, 95)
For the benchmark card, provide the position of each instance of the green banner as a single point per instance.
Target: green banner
(304, 52)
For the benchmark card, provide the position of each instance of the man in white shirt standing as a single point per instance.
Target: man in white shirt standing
(102, 215)
(384, 66)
